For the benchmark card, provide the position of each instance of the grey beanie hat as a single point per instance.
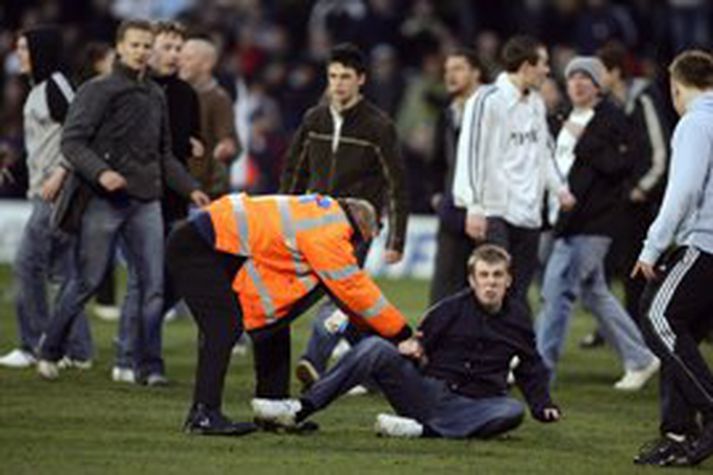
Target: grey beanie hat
(589, 65)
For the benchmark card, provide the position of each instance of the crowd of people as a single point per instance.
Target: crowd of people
(546, 158)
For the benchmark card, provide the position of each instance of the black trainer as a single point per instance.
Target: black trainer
(662, 452)
(204, 421)
(701, 447)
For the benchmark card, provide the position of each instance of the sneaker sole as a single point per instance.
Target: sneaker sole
(306, 374)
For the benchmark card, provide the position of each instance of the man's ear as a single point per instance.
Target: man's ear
(508, 281)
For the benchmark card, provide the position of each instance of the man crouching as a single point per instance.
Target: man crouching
(451, 379)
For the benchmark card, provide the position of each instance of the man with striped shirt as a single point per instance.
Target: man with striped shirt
(503, 160)
(676, 306)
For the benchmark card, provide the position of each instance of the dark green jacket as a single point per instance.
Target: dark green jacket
(367, 163)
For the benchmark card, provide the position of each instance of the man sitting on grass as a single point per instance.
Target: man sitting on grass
(451, 379)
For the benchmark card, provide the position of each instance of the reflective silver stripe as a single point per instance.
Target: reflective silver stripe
(288, 230)
(242, 222)
(375, 309)
(265, 298)
(339, 274)
(244, 237)
(311, 223)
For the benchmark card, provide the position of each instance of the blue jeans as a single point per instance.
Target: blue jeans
(576, 268)
(321, 342)
(127, 334)
(140, 226)
(45, 256)
(411, 394)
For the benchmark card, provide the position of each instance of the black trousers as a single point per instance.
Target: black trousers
(522, 244)
(677, 312)
(451, 267)
(203, 278)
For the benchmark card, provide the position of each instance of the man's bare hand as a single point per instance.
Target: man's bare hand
(392, 257)
(225, 150)
(637, 195)
(567, 200)
(52, 185)
(111, 180)
(476, 226)
(411, 348)
(199, 198)
(197, 147)
(647, 270)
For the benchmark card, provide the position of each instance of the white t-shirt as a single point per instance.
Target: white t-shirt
(564, 151)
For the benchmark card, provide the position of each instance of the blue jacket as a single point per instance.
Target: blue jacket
(686, 215)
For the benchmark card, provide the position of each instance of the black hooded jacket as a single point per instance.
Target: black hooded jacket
(45, 46)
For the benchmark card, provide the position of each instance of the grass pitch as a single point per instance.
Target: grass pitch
(84, 423)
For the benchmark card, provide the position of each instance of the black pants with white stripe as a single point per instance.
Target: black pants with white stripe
(677, 312)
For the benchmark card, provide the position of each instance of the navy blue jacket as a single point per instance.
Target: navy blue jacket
(471, 350)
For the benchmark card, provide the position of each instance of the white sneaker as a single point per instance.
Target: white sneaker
(47, 369)
(108, 313)
(633, 380)
(340, 350)
(279, 411)
(123, 375)
(67, 362)
(389, 425)
(18, 358)
(357, 390)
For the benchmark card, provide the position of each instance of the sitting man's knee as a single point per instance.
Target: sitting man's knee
(375, 345)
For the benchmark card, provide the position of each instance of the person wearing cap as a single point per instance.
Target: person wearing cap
(593, 153)
(257, 263)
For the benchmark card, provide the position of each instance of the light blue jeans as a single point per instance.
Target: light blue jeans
(140, 226)
(576, 269)
(45, 256)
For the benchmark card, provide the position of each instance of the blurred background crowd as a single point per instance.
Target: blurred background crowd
(272, 55)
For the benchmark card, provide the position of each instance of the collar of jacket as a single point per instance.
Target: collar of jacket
(123, 70)
(512, 92)
(354, 109)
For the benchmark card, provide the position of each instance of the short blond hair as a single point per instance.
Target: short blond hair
(490, 253)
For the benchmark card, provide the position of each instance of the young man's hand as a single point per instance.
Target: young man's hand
(112, 181)
(199, 198)
(476, 226)
(411, 348)
(392, 257)
(52, 185)
(647, 270)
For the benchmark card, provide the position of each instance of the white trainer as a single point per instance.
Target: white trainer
(123, 375)
(18, 358)
(108, 313)
(389, 425)
(67, 363)
(279, 411)
(47, 369)
(357, 390)
(634, 380)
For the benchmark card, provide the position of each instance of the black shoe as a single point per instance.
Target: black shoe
(302, 428)
(700, 448)
(591, 340)
(662, 452)
(204, 421)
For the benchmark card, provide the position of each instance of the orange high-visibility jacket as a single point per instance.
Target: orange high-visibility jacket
(292, 244)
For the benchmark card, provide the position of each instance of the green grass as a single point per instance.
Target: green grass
(84, 423)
